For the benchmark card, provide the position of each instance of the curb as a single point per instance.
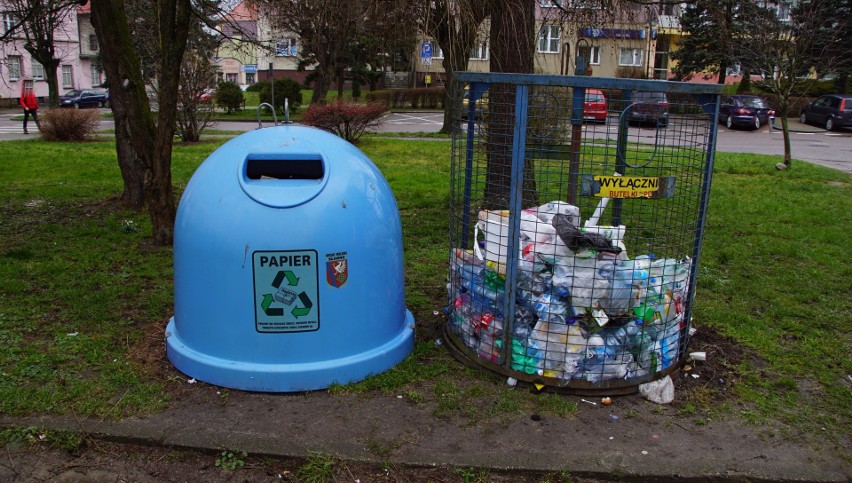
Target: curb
(344, 426)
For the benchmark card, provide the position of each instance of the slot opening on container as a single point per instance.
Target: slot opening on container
(284, 169)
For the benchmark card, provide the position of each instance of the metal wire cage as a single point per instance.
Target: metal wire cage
(577, 207)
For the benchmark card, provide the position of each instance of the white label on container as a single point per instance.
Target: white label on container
(286, 291)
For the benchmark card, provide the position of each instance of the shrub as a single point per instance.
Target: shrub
(230, 96)
(256, 87)
(284, 89)
(69, 124)
(348, 120)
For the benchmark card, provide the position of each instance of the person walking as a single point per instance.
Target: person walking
(30, 105)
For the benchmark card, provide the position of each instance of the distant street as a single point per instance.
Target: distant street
(809, 143)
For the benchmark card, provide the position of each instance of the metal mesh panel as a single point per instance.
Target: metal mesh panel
(575, 226)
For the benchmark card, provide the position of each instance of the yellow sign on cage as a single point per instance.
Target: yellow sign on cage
(627, 186)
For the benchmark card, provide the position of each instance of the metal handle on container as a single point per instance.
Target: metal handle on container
(274, 119)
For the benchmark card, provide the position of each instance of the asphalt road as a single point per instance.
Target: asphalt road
(809, 143)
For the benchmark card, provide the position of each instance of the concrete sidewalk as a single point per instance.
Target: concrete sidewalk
(629, 440)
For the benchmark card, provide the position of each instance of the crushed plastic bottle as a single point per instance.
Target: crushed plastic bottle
(551, 308)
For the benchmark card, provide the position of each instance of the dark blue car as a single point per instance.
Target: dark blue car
(79, 98)
(749, 112)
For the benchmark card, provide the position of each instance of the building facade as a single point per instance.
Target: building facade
(237, 53)
(76, 47)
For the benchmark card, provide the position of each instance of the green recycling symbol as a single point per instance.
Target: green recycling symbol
(286, 296)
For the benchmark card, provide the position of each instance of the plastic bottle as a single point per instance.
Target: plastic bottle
(669, 344)
(588, 290)
(616, 340)
(551, 308)
(648, 359)
(643, 262)
(531, 281)
(551, 340)
(563, 274)
(493, 280)
(596, 368)
(478, 287)
(487, 348)
(525, 355)
(481, 302)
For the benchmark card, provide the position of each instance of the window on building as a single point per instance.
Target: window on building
(231, 77)
(250, 78)
(782, 10)
(97, 79)
(586, 3)
(67, 79)
(592, 54)
(630, 57)
(93, 42)
(551, 3)
(8, 22)
(667, 8)
(437, 53)
(14, 67)
(288, 47)
(37, 70)
(549, 39)
(479, 51)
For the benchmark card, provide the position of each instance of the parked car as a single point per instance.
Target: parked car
(831, 111)
(650, 107)
(744, 111)
(78, 98)
(209, 95)
(594, 106)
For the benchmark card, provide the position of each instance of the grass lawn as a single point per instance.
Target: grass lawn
(84, 292)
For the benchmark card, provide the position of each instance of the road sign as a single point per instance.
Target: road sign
(426, 50)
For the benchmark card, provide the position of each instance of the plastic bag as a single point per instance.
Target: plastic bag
(660, 391)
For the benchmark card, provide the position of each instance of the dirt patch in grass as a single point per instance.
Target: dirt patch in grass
(717, 374)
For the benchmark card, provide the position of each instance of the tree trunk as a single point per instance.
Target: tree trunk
(52, 82)
(745, 83)
(173, 22)
(785, 129)
(134, 126)
(512, 45)
(133, 194)
(455, 25)
(151, 145)
(723, 72)
(321, 86)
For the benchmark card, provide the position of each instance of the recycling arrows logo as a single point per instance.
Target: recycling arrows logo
(286, 296)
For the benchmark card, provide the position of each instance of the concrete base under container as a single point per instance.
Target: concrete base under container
(287, 376)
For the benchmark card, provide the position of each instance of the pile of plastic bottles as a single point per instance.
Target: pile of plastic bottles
(583, 310)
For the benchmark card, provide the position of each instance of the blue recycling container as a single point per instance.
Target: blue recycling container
(288, 266)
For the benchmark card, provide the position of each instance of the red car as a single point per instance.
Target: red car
(209, 95)
(594, 107)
